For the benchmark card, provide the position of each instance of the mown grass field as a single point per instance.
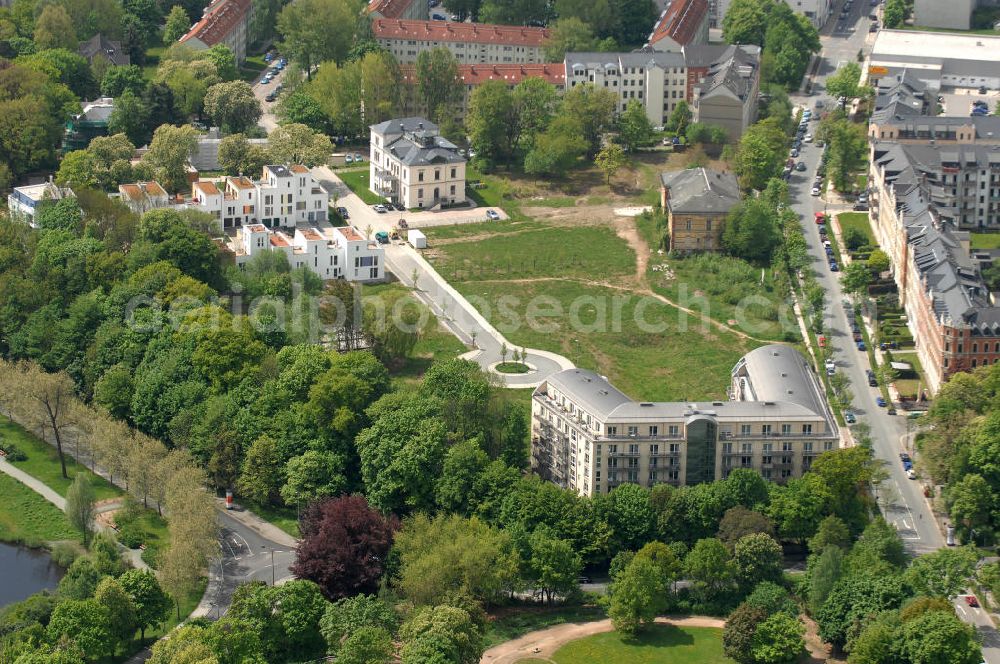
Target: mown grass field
(357, 181)
(661, 643)
(859, 221)
(43, 463)
(27, 517)
(985, 240)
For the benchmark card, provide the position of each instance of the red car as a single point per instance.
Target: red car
(820, 218)
(822, 341)
(971, 600)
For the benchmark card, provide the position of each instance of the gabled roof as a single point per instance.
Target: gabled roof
(447, 31)
(681, 21)
(700, 190)
(100, 45)
(734, 73)
(220, 19)
(390, 8)
(510, 74)
(402, 125)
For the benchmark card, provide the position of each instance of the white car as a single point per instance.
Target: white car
(492, 215)
(348, 159)
(381, 209)
(815, 191)
(911, 474)
(808, 138)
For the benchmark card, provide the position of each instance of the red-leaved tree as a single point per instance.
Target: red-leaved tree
(344, 546)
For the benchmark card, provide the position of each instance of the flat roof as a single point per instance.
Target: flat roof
(349, 233)
(937, 45)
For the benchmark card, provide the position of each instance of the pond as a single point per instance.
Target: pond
(24, 572)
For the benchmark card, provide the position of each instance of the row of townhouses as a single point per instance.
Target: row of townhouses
(226, 22)
(470, 43)
(331, 252)
(588, 436)
(932, 180)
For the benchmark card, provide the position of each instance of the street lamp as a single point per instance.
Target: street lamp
(272, 563)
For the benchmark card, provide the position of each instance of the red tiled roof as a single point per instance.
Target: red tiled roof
(311, 235)
(154, 189)
(208, 188)
(349, 233)
(278, 240)
(680, 21)
(554, 73)
(130, 191)
(241, 182)
(446, 31)
(389, 8)
(298, 168)
(257, 228)
(219, 20)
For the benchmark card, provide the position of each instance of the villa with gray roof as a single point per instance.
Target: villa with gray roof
(697, 201)
(412, 164)
(589, 436)
(924, 200)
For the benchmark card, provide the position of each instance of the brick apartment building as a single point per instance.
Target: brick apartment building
(224, 22)
(473, 76)
(409, 9)
(682, 23)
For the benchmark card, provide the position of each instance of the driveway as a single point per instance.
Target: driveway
(453, 310)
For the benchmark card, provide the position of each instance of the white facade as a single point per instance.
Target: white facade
(412, 164)
(331, 253)
(23, 202)
(657, 80)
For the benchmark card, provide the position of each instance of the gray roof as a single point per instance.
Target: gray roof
(403, 125)
(424, 150)
(705, 55)
(97, 112)
(110, 49)
(782, 386)
(734, 72)
(951, 276)
(700, 190)
(280, 170)
(645, 59)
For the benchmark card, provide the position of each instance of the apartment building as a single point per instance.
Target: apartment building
(470, 43)
(473, 76)
(411, 163)
(408, 9)
(923, 197)
(682, 23)
(283, 197)
(724, 79)
(728, 93)
(955, 15)
(817, 11)
(224, 22)
(697, 201)
(589, 436)
(937, 58)
(23, 202)
(331, 252)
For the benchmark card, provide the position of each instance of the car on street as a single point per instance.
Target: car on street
(903, 456)
(358, 158)
(819, 104)
(860, 207)
(911, 474)
(821, 340)
(908, 464)
(399, 207)
(381, 209)
(880, 402)
(850, 417)
(794, 152)
(861, 345)
(982, 89)
(801, 166)
(834, 267)
(808, 138)
(972, 601)
(493, 215)
(344, 214)
(271, 96)
(348, 159)
(382, 237)
(820, 217)
(815, 191)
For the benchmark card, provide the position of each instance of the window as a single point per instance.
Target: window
(675, 448)
(654, 450)
(453, 173)
(765, 429)
(708, 225)
(633, 449)
(633, 431)
(673, 430)
(786, 429)
(420, 176)
(746, 448)
(687, 225)
(612, 431)
(727, 448)
(744, 429)
(807, 428)
(654, 430)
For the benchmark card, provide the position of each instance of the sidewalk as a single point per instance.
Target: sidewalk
(263, 528)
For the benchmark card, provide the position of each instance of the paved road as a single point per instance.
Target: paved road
(260, 90)
(451, 308)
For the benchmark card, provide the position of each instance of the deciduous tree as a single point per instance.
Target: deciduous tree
(318, 30)
(610, 159)
(438, 85)
(232, 106)
(177, 24)
(152, 605)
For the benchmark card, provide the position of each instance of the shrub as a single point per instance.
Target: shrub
(131, 536)
(151, 556)
(13, 452)
(64, 553)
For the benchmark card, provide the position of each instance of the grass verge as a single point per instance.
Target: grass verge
(859, 221)
(282, 517)
(985, 240)
(518, 621)
(512, 368)
(43, 463)
(357, 181)
(28, 518)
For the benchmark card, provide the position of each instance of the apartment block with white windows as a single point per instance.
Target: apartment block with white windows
(411, 163)
(588, 436)
(331, 252)
(470, 43)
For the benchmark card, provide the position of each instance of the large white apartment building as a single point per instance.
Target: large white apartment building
(411, 163)
(331, 252)
(470, 43)
(283, 197)
(589, 436)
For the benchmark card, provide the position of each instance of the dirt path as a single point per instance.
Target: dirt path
(626, 229)
(543, 643)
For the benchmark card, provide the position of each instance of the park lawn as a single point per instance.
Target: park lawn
(584, 252)
(153, 55)
(859, 221)
(675, 358)
(552, 201)
(727, 284)
(357, 181)
(27, 517)
(659, 643)
(43, 462)
(985, 240)
(518, 621)
(911, 384)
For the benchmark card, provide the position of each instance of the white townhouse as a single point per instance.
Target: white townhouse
(23, 202)
(331, 253)
(412, 164)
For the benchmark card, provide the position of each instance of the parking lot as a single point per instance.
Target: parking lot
(957, 101)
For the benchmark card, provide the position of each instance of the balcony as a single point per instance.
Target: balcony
(726, 435)
(618, 437)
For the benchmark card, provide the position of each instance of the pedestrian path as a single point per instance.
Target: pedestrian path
(33, 483)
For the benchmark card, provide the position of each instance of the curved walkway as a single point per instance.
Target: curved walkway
(544, 643)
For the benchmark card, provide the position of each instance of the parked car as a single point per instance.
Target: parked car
(794, 152)
(493, 215)
(344, 214)
(270, 97)
(834, 267)
(880, 401)
(861, 345)
(821, 340)
(348, 159)
(801, 166)
(382, 237)
(358, 158)
(982, 89)
(911, 474)
(819, 103)
(381, 209)
(820, 217)
(808, 138)
(399, 207)
(903, 456)
(972, 601)
(850, 417)
(860, 207)
(815, 191)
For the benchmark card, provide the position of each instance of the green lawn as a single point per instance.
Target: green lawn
(357, 181)
(43, 462)
(734, 291)
(985, 240)
(909, 382)
(661, 643)
(519, 621)
(552, 201)
(282, 517)
(674, 358)
(503, 227)
(153, 55)
(588, 252)
(27, 517)
(859, 221)
(494, 194)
